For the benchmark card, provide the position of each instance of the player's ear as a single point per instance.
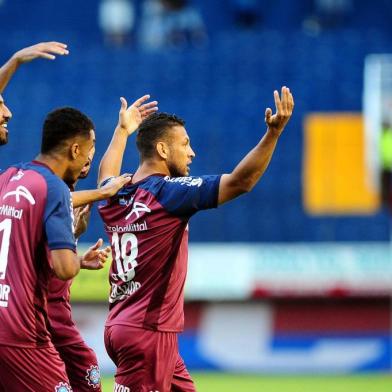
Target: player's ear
(74, 150)
(162, 150)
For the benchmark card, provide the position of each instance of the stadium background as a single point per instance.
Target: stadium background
(294, 278)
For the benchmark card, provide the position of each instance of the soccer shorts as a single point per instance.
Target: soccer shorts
(146, 360)
(32, 370)
(82, 367)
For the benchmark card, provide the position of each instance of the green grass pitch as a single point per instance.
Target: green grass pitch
(221, 382)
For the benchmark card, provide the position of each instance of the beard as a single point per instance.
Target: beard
(3, 138)
(177, 171)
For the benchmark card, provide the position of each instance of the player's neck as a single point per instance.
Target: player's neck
(147, 168)
(54, 163)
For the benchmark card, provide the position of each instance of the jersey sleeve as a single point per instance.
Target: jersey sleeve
(184, 196)
(58, 217)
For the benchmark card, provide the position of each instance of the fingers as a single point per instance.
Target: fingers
(268, 115)
(149, 105)
(278, 103)
(291, 101)
(141, 100)
(49, 49)
(124, 103)
(148, 109)
(44, 55)
(97, 245)
(104, 254)
(284, 99)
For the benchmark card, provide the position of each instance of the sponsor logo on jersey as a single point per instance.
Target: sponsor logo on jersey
(121, 388)
(4, 293)
(17, 176)
(128, 228)
(93, 376)
(137, 208)
(188, 181)
(119, 292)
(11, 211)
(19, 192)
(63, 387)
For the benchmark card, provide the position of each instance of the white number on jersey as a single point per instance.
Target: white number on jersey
(5, 227)
(125, 263)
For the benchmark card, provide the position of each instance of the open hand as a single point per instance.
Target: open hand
(131, 117)
(81, 219)
(284, 109)
(95, 258)
(44, 50)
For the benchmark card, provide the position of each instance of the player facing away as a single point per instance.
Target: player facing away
(44, 50)
(147, 224)
(80, 360)
(36, 237)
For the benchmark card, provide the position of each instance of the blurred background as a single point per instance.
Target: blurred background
(294, 278)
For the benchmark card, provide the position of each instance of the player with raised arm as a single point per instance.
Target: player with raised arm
(80, 360)
(147, 224)
(36, 237)
(45, 50)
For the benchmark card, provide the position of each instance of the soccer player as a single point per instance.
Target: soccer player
(80, 360)
(36, 237)
(45, 50)
(147, 223)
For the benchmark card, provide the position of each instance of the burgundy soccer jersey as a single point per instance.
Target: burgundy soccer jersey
(35, 218)
(62, 328)
(147, 224)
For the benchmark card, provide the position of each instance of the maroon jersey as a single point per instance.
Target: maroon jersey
(147, 225)
(35, 217)
(62, 327)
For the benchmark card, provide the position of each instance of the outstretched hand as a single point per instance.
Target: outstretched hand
(131, 117)
(95, 258)
(284, 109)
(44, 50)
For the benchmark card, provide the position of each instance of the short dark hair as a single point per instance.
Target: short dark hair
(63, 124)
(154, 128)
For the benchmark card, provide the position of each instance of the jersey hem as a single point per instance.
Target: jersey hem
(147, 327)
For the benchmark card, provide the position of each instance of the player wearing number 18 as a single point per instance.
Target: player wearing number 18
(147, 223)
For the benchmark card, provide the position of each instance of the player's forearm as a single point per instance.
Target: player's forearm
(81, 198)
(249, 171)
(111, 162)
(255, 163)
(7, 71)
(66, 264)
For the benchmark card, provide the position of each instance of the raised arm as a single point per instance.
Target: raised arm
(129, 119)
(248, 172)
(45, 50)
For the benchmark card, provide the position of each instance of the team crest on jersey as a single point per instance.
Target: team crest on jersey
(125, 202)
(93, 377)
(63, 387)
